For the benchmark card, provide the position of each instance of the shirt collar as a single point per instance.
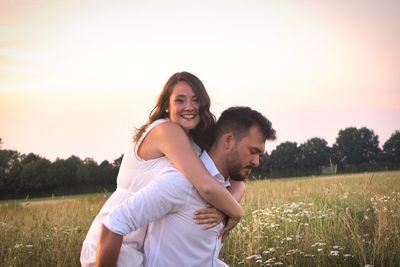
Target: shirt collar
(210, 166)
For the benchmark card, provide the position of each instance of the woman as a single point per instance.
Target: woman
(177, 130)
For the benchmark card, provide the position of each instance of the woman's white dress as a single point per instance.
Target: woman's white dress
(134, 174)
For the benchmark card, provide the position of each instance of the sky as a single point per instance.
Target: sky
(77, 77)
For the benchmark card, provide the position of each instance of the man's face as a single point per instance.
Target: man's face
(245, 154)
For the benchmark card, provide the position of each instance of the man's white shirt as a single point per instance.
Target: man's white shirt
(168, 205)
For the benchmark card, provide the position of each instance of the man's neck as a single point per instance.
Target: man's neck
(219, 160)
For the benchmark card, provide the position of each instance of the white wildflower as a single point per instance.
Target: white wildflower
(255, 257)
(319, 244)
(334, 253)
(271, 260)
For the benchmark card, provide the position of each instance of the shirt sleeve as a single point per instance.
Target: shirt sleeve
(166, 194)
(227, 183)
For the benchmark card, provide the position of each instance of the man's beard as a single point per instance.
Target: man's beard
(236, 168)
(238, 176)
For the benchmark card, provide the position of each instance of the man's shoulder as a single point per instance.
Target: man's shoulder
(172, 176)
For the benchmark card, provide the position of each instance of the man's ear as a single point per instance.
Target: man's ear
(228, 140)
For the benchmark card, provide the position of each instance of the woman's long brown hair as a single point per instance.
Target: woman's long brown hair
(202, 133)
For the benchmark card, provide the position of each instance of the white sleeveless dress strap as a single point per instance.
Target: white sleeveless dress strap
(146, 132)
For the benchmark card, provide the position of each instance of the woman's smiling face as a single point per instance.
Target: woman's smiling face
(184, 106)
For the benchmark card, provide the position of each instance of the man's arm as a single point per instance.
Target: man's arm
(237, 189)
(164, 195)
(108, 248)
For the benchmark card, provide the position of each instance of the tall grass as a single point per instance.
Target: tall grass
(45, 232)
(350, 220)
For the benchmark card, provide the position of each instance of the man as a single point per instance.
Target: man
(168, 204)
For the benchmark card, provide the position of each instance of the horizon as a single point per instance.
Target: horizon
(269, 151)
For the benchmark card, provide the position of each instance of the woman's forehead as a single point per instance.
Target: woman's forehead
(182, 88)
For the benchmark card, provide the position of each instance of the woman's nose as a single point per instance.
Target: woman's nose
(189, 105)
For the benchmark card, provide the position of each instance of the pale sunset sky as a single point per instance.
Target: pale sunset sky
(77, 76)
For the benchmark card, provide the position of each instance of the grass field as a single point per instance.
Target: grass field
(349, 220)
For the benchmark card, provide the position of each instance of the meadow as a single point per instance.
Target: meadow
(344, 220)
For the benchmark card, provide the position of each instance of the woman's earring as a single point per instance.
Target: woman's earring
(166, 110)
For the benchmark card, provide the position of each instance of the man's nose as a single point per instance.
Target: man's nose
(255, 161)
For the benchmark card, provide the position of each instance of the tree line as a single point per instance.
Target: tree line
(32, 175)
(355, 150)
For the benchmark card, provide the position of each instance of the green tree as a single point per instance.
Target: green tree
(356, 146)
(74, 162)
(31, 157)
(64, 171)
(391, 150)
(314, 154)
(35, 174)
(10, 166)
(87, 172)
(284, 159)
(106, 174)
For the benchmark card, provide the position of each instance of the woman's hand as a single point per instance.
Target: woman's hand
(209, 216)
